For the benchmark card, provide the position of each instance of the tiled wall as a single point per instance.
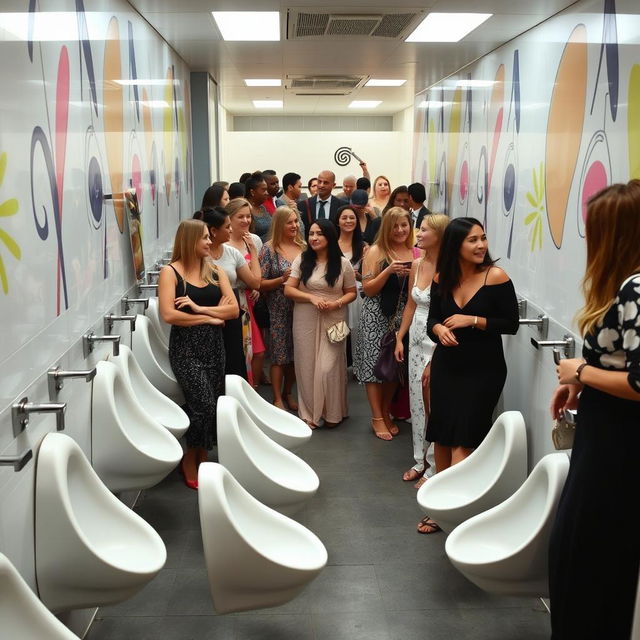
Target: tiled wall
(92, 102)
(519, 140)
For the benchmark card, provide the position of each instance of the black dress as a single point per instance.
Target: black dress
(467, 380)
(197, 357)
(595, 547)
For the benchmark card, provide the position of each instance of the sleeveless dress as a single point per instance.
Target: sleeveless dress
(420, 351)
(594, 553)
(467, 380)
(197, 358)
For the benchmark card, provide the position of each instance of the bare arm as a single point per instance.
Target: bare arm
(372, 278)
(166, 300)
(615, 383)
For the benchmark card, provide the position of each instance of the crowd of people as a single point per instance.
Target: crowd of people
(369, 283)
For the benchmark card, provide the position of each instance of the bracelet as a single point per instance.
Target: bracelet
(475, 321)
(339, 301)
(579, 370)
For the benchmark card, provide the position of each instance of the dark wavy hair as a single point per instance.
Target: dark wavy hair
(357, 243)
(214, 217)
(251, 183)
(392, 197)
(212, 196)
(309, 257)
(448, 267)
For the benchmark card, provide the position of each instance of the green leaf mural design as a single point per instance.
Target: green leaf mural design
(536, 200)
(7, 208)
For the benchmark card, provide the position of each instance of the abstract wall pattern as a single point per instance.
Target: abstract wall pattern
(524, 137)
(98, 105)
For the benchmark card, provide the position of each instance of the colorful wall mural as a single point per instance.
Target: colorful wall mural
(94, 104)
(522, 138)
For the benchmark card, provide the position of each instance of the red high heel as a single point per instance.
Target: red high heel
(192, 484)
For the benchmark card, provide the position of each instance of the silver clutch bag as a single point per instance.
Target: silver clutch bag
(338, 332)
(564, 431)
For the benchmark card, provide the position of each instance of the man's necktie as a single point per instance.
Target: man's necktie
(321, 214)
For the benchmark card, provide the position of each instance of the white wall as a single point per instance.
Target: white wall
(550, 123)
(309, 152)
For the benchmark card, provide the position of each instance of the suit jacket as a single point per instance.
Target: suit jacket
(422, 212)
(307, 210)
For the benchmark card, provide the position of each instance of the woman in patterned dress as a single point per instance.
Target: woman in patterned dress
(384, 280)
(196, 298)
(414, 320)
(276, 258)
(594, 554)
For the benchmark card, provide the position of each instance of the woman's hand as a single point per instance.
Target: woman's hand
(399, 351)
(426, 375)
(251, 245)
(400, 268)
(459, 321)
(226, 300)
(564, 397)
(254, 294)
(285, 274)
(183, 302)
(566, 370)
(445, 336)
(319, 303)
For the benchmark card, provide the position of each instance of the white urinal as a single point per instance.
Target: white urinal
(153, 357)
(493, 472)
(130, 450)
(90, 549)
(162, 328)
(156, 404)
(256, 557)
(22, 614)
(281, 426)
(504, 550)
(269, 472)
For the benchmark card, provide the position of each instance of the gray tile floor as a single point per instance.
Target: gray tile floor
(383, 580)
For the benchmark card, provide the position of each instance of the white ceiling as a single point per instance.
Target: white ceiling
(190, 29)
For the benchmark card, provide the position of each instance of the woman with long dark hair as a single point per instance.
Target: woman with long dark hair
(196, 299)
(217, 195)
(473, 303)
(594, 553)
(322, 284)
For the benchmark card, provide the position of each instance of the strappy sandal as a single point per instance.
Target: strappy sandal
(383, 435)
(291, 402)
(434, 527)
(412, 474)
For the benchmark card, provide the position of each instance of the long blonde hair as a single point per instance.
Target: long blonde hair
(373, 186)
(278, 222)
(383, 237)
(437, 222)
(188, 235)
(613, 249)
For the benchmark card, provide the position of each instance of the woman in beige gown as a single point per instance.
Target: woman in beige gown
(322, 284)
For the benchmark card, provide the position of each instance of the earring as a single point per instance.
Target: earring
(214, 235)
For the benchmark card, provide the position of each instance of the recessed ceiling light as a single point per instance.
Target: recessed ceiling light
(375, 82)
(267, 104)
(248, 25)
(364, 104)
(447, 27)
(262, 82)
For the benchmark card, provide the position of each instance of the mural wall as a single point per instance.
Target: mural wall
(94, 103)
(522, 138)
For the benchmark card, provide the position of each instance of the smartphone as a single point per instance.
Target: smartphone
(407, 265)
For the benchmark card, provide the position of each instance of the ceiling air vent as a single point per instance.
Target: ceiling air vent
(336, 85)
(394, 24)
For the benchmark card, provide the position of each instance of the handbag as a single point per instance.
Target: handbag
(563, 433)
(338, 332)
(387, 368)
(261, 312)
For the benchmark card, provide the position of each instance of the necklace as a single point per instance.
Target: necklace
(217, 257)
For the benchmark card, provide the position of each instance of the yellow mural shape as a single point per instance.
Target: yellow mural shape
(113, 97)
(564, 129)
(633, 121)
(455, 120)
(167, 121)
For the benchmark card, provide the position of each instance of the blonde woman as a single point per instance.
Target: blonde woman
(249, 245)
(276, 258)
(381, 192)
(414, 321)
(594, 541)
(385, 275)
(196, 298)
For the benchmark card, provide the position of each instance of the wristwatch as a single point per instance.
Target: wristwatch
(579, 370)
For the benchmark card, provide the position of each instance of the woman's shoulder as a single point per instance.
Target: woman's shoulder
(630, 288)
(496, 275)
(232, 251)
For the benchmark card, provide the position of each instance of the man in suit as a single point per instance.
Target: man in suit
(323, 205)
(417, 196)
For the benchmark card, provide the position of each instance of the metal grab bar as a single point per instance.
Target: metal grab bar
(56, 378)
(126, 302)
(110, 318)
(541, 322)
(18, 461)
(20, 413)
(89, 338)
(567, 344)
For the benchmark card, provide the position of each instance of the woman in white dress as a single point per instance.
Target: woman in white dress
(414, 320)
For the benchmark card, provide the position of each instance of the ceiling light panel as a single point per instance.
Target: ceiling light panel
(248, 26)
(447, 27)
(377, 82)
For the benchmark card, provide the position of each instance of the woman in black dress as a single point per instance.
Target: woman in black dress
(196, 298)
(472, 304)
(594, 552)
